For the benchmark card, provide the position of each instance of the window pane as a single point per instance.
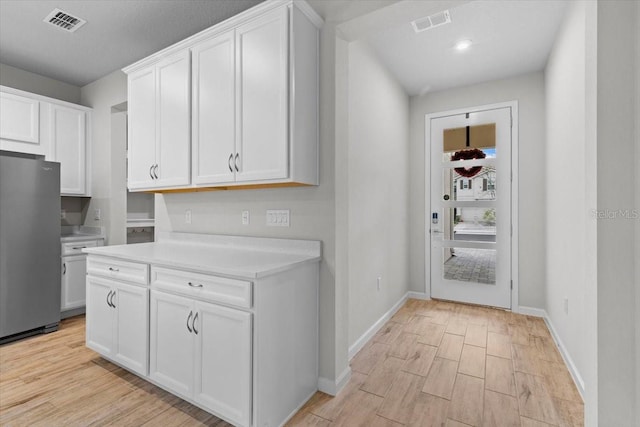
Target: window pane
(470, 265)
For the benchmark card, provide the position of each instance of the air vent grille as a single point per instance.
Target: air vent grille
(431, 21)
(64, 20)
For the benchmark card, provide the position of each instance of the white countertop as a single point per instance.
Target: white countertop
(244, 257)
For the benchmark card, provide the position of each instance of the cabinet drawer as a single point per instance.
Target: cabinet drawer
(75, 248)
(117, 269)
(202, 286)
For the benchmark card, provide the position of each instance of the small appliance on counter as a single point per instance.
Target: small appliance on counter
(29, 245)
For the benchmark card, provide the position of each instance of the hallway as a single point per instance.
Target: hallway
(438, 363)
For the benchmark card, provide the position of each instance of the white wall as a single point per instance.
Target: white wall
(377, 190)
(35, 83)
(528, 90)
(567, 211)
(617, 117)
(107, 158)
(637, 244)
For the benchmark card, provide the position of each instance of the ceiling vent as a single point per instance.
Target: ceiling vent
(64, 20)
(432, 21)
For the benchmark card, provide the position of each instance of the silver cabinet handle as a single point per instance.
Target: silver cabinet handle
(195, 318)
(78, 247)
(113, 304)
(195, 285)
(229, 162)
(236, 162)
(108, 295)
(114, 269)
(155, 171)
(64, 268)
(188, 319)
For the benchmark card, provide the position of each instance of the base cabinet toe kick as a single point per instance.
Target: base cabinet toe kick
(245, 350)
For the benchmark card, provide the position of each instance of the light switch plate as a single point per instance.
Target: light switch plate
(278, 217)
(245, 217)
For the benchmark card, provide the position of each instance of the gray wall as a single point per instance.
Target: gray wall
(107, 156)
(35, 83)
(570, 188)
(616, 169)
(377, 190)
(528, 90)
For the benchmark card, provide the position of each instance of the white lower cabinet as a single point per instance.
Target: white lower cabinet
(118, 322)
(203, 352)
(72, 293)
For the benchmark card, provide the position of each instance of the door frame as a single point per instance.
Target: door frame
(515, 307)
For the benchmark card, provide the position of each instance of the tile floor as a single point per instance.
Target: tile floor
(444, 364)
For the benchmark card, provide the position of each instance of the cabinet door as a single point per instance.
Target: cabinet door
(214, 110)
(19, 120)
(74, 277)
(131, 347)
(172, 342)
(223, 361)
(68, 135)
(142, 129)
(263, 95)
(174, 121)
(100, 316)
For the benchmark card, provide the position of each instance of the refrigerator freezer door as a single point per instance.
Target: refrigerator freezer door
(29, 244)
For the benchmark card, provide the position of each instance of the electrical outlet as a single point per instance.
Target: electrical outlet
(278, 218)
(63, 214)
(245, 217)
(187, 216)
(97, 214)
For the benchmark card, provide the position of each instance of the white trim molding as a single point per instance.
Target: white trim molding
(568, 360)
(364, 339)
(331, 387)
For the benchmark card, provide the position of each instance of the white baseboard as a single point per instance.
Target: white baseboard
(418, 295)
(331, 387)
(364, 339)
(531, 311)
(575, 374)
(573, 370)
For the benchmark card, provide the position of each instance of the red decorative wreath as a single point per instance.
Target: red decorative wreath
(468, 155)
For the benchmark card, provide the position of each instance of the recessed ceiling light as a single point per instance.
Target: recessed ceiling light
(464, 44)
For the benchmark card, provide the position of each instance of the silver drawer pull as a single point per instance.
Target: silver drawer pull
(113, 269)
(79, 247)
(195, 285)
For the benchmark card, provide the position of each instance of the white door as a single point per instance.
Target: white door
(73, 293)
(223, 361)
(68, 135)
(100, 315)
(131, 323)
(214, 110)
(172, 342)
(263, 73)
(141, 150)
(173, 149)
(470, 207)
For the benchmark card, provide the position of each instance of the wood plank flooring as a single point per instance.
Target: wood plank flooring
(433, 364)
(437, 363)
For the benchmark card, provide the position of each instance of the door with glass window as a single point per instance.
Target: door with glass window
(469, 219)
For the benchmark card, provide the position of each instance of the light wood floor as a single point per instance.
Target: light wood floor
(434, 363)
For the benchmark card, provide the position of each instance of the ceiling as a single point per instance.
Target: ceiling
(117, 33)
(509, 38)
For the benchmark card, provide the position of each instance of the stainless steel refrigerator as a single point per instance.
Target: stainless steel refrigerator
(29, 245)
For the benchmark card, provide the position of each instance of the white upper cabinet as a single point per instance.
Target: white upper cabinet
(19, 119)
(68, 136)
(254, 104)
(263, 79)
(159, 128)
(58, 130)
(214, 105)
